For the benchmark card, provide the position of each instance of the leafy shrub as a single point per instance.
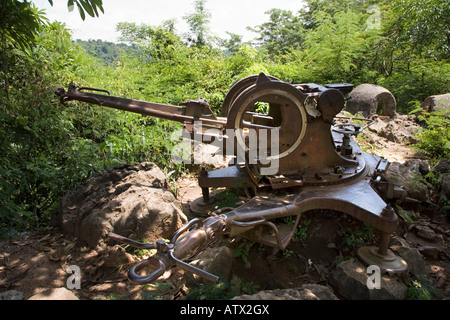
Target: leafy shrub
(434, 138)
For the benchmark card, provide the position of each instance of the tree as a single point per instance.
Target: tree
(231, 45)
(422, 26)
(413, 55)
(198, 24)
(158, 43)
(21, 22)
(282, 33)
(336, 46)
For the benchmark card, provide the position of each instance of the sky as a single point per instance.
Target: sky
(226, 15)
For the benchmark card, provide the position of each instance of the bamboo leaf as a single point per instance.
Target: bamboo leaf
(80, 9)
(87, 7)
(70, 5)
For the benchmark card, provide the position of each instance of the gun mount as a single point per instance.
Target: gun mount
(289, 152)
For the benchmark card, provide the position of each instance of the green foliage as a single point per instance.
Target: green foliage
(287, 253)
(21, 21)
(433, 17)
(416, 79)
(34, 145)
(198, 24)
(109, 53)
(231, 45)
(417, 292)
(282, 33)
(434, 137)
(227, 198)
(354, 237)
(243, 250)
(158, 291)
(339, 41)
(302, 231)
(155, 43)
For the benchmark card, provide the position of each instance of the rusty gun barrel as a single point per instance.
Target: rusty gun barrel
(191, 111)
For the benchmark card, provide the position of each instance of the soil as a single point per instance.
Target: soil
(38, 260)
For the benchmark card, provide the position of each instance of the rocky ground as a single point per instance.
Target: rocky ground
(319, 264)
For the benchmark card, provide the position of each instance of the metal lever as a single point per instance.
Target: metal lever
(131, 242)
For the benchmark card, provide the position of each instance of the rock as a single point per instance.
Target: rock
(447, 290)
(399, 129)
(397, 243)
(130, 200)
(306, 292)
(443, 166)
(442, 172)
(366, 98)
(436, 103)
(350, 280)
(11, 295)
(445, 186)
(321, 292)
(217, 261)
(332, 245)
(415, 261)
(424, 167)
(408, 176)
(430, 252)
(425, 232)
(55, 294)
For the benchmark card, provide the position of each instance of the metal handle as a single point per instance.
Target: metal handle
(165, 257)
(151, 262)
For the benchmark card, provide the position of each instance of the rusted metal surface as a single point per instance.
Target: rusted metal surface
(318, 166)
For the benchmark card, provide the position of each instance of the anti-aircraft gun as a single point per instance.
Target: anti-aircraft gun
(291, 153)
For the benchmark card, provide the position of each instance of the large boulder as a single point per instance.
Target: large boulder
(130, 200)
(436, 103)
(350, 280)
